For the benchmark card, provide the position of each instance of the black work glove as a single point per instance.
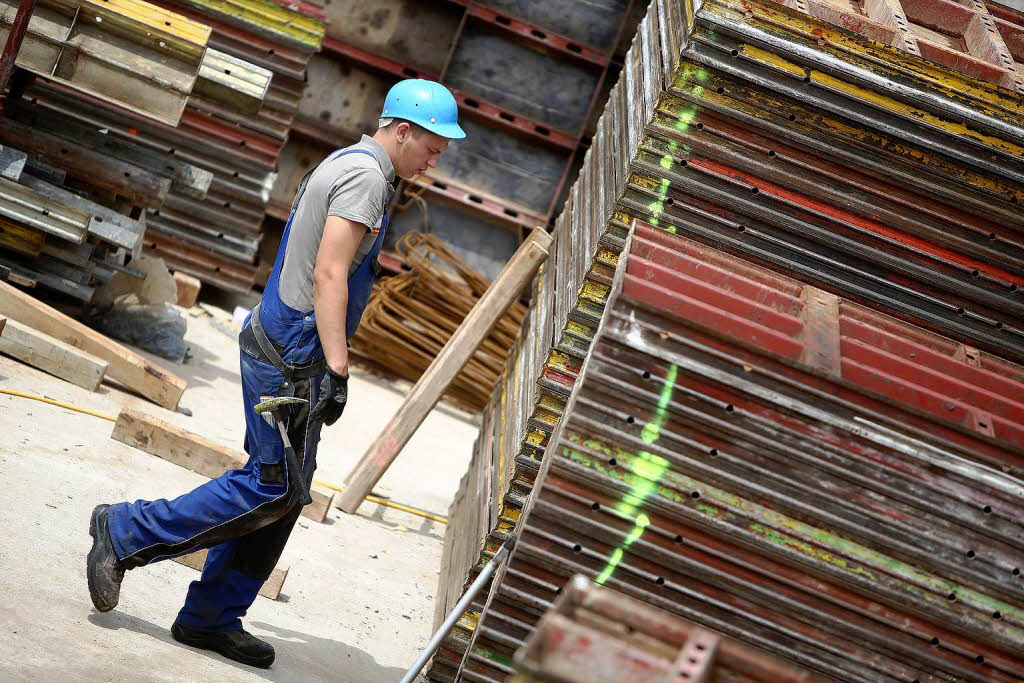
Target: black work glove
(332, 399)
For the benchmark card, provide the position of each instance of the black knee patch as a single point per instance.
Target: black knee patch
(272, 473)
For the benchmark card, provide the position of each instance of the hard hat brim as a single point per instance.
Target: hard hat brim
(452, 131)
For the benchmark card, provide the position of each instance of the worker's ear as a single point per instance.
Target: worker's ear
(403, 131)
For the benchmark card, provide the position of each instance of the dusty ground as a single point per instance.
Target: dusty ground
(358, 601)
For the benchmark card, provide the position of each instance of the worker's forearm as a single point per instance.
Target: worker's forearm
(330, 304)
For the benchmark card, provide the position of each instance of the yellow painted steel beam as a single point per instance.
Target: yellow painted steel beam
(128, 52)
(776, 19)
(270, 18)
(766, 106)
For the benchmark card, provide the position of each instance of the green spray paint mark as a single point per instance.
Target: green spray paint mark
(494, 656)
(649, 470)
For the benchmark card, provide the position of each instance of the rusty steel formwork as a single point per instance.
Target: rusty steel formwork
(818, 321)
(203, 178)
(593, 634)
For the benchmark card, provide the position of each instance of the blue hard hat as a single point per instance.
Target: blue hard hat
(425, 103)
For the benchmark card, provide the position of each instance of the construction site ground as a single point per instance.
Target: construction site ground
(357, 604)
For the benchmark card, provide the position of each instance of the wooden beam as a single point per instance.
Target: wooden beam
(196, 453)
(449, 362)
(52, 355)
(188, 289)
(127, 367)
(271, 588)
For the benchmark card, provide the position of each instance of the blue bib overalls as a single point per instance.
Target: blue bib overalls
(245, 515)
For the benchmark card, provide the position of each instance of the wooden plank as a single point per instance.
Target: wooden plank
(52, 355)
(127, 367)
(446, 366)
(196, 453)
(188, 289)
(271, 588)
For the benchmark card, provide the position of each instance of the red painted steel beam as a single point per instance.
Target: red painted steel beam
(377, 62)
(14, 40)
(509, 120)
(539, 36)
(468, 197)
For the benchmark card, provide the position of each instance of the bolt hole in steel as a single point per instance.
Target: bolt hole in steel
(979, 659)
(577, 548)
(792, 117)
(63, 151)
(951, 597)
(997, 615)
(630, 419)
(991, 235)
(679, 539)
(660, 581)
(700, 126)
(595, 506)
(987, 509)
(1015, 572)
(741, 228)
(754, 190)
(771, 152)
(695, 494)
(713, 451)
(734, 52)
(646, 374)
(613, 462)
(935, 641)
(720, 90)
(729, 408)
(670, 202)
(970, 554)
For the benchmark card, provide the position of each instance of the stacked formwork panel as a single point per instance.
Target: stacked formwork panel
(203, 172)
(529, 78)
(877, 392)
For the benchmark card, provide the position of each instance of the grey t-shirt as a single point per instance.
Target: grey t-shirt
(354, 186)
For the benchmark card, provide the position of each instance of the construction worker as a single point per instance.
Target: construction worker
(294, 343)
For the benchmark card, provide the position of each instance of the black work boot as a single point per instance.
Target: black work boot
(103, 568)
(239, 645)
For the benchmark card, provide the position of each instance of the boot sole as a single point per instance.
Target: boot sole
(204, 642)
(97, 601)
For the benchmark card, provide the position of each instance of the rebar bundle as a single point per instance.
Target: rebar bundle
(411, 316)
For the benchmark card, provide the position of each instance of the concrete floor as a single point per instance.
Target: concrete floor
(358, 601)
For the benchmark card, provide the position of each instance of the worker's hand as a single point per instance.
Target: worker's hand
(332, 399)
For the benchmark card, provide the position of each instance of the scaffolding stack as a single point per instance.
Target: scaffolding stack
(771, 380)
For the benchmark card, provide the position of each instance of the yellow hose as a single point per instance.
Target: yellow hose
(372, 499)
(57, 403)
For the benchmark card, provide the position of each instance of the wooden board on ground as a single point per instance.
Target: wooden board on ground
(271, 588)
(127, 367)
(193, 452)
(52, 355)
(188, 289)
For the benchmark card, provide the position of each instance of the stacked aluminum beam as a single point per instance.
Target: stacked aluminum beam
(202, 165)
(800, 418)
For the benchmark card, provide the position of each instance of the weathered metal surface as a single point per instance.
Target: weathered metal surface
(793, 462)
(140, 185)
(503, 165)
(20, 204)
(407, 31)
(505, 73)
(592, 23)
(125, 51)
(104, 224)
(12, 162)
(593, 634)
(297, 24)
(342, 98)
(234, 81)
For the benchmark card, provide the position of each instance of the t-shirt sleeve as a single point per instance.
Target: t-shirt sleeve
(358, 196)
